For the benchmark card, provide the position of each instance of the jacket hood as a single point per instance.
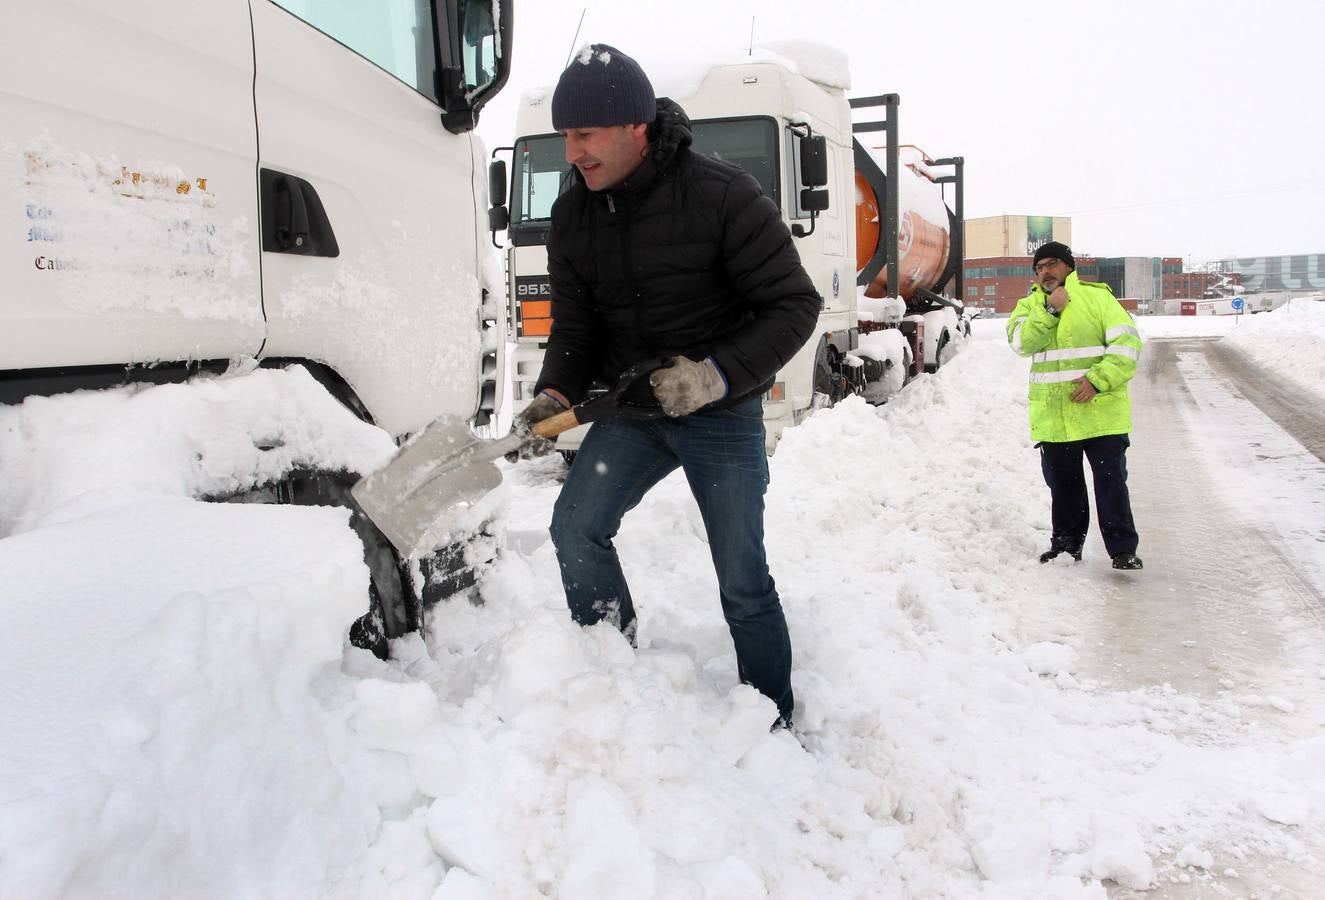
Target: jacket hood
(669, 132)
(668, 135)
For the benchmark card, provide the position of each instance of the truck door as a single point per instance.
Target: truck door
(127, 154)
(354, 156)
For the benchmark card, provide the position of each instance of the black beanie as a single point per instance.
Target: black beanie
(1054, 250)
(602, 86)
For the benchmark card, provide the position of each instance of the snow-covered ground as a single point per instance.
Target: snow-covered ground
(1287, 345)
(181, 714)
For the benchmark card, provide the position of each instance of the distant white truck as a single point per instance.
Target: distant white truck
(1226, 306)
(858, 214)
(285, 181)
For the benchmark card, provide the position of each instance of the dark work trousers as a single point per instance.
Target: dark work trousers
(1063, 473)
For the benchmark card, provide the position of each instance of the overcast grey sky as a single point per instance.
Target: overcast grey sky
(1163, 128)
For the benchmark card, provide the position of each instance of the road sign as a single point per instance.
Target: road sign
(1237, 303)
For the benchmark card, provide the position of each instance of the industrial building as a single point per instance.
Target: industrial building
(1271, 274)
(998, 272)
(997, 284)
(1014, 236)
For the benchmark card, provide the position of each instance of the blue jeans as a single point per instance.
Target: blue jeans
(722, 455)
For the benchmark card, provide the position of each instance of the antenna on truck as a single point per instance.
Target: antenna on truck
(577, 36)
(751, 50)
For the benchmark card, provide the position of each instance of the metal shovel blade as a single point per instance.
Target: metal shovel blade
(432, 481)
(420, 496)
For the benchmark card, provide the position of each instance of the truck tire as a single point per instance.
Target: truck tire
(938, 353)
(830, 385)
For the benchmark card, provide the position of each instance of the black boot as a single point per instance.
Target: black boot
(1127, 561)
(1070, 546)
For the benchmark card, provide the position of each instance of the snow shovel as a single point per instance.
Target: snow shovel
(419, 497)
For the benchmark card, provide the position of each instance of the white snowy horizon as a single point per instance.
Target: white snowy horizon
(183, 715)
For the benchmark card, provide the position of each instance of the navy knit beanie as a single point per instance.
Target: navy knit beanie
(1054, 250)
(602, 86)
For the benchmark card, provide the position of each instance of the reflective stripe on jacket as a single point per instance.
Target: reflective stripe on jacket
(1094, 337)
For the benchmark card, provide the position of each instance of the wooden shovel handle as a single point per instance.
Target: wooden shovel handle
(555, 425)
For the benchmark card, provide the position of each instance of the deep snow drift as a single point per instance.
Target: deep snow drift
(182, 716)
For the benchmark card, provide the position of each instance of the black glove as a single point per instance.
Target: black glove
(686, 385)
(544, 406)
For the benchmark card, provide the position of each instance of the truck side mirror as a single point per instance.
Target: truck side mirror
(473, 58)
(499, 217)
(497, 182)
(814, 160)
(813, 201)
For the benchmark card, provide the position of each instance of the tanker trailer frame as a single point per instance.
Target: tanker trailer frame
(878, 261)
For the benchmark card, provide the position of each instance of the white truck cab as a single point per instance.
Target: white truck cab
(199, 182)
(212, 180)
(770, 114)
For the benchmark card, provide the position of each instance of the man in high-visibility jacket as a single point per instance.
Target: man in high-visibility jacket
(1084, 348)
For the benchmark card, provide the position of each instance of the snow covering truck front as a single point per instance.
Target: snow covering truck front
(272, 181)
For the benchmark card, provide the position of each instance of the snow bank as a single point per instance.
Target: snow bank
(182, 720)
(1186, 326)
(951, 749)
(1290, 341)
(165, 659)
(76, 453)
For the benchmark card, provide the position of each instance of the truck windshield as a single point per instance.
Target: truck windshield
(750, 143)
(541, 172)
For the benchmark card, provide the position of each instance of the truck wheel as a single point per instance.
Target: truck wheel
(828, 380)
(938, 354)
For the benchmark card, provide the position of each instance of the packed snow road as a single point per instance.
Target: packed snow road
(1231, 509)
(1228, 484)
(182, 715)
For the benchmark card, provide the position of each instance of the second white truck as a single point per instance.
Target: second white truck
(858, 214)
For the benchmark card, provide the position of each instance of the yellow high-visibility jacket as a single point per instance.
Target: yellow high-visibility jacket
(1094, 337)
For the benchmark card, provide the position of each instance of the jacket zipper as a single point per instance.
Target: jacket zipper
(629, 274)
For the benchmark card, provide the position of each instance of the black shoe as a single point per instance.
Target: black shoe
(1127, 561)
(1071, 548)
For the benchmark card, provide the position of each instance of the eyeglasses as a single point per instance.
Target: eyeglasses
(1046, 263)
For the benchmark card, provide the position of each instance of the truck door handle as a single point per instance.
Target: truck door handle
(291, 215)
(293, 218)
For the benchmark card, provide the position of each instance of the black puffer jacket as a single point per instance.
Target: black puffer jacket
(687, 257)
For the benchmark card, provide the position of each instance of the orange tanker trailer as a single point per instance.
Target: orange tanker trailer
(924, 228)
